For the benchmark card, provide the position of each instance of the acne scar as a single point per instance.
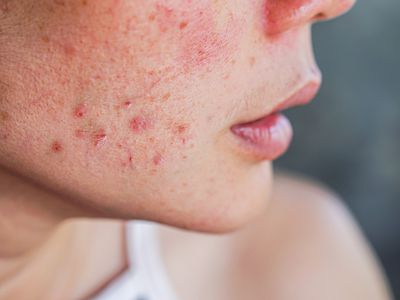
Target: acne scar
(4, 116)
(99, 137)
(139, 124)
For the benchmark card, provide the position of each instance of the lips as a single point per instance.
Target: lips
(269, 137)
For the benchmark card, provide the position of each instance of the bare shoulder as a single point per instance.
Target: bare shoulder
(308, 246)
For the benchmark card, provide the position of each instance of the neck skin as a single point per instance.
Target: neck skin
(31, 239)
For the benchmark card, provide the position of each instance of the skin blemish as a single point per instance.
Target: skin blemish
(56, 147)
(99, 138)
(127, 104)
(80, 111)
(80, 133)
(139, 124)
(4, 116)
(69, 50)
(4, 6)
(166, 96)
(183, 25)
(157, 159)
(252, 61)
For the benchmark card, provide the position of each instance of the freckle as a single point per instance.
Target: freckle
(151, 17)
(4, 116)
(252, 61)
(45, 39)
(182, 25)
(138, 124)
(166, 96)
(157, 159)
(80, 110)
(84, 2)
(233, 61)
(99, 137)
(56, 147)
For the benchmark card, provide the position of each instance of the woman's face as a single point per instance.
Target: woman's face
(127, 106)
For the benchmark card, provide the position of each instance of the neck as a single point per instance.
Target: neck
(29, 219)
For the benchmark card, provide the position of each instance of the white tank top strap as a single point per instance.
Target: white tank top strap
(146, 278)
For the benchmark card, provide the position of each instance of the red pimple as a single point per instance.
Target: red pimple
(56, 147)
(80, 110)
(69, 50)
(183, 25)
(138, 124)
(99, 137)
(127, 104)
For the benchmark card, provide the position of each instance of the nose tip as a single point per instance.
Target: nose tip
(282, 15)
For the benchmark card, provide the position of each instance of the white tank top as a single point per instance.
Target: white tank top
(145, 279)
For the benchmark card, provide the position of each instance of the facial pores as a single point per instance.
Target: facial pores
(112, 75)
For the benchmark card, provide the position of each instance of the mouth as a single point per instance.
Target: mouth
(269, 136)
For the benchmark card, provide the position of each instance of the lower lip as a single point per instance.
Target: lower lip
(265, 139)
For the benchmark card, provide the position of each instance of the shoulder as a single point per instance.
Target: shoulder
(308, 246)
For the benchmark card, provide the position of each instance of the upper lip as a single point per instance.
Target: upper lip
(302, 96)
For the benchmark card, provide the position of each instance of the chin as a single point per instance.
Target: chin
(229, 211)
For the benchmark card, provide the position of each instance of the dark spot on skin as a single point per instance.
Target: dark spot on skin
(56, 147)
(252, 61)
(151, 17)
(4, 116)
(166, 96)
(45, 39)
(182, 128)
(183, 25)
(59, 2)
(80, 110)
(99, 137)
(138, 124)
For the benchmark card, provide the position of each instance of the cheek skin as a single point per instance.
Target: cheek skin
(115, 107)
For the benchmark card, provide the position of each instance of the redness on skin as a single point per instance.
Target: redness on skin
(157, 159)
(4, 116)
(127, 104)
(80, 133)
(99, 138)
(56, 147)
(139, 124)
(80, 110)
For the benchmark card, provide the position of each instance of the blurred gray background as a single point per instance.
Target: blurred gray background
(349, 137)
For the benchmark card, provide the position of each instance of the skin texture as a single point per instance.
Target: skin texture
(126, 106)
(123, 109)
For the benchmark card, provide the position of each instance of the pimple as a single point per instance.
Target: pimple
(99, 137)
(157, 159)
(80, 110)
(127, 104)
(56, 147)
(139, 124)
